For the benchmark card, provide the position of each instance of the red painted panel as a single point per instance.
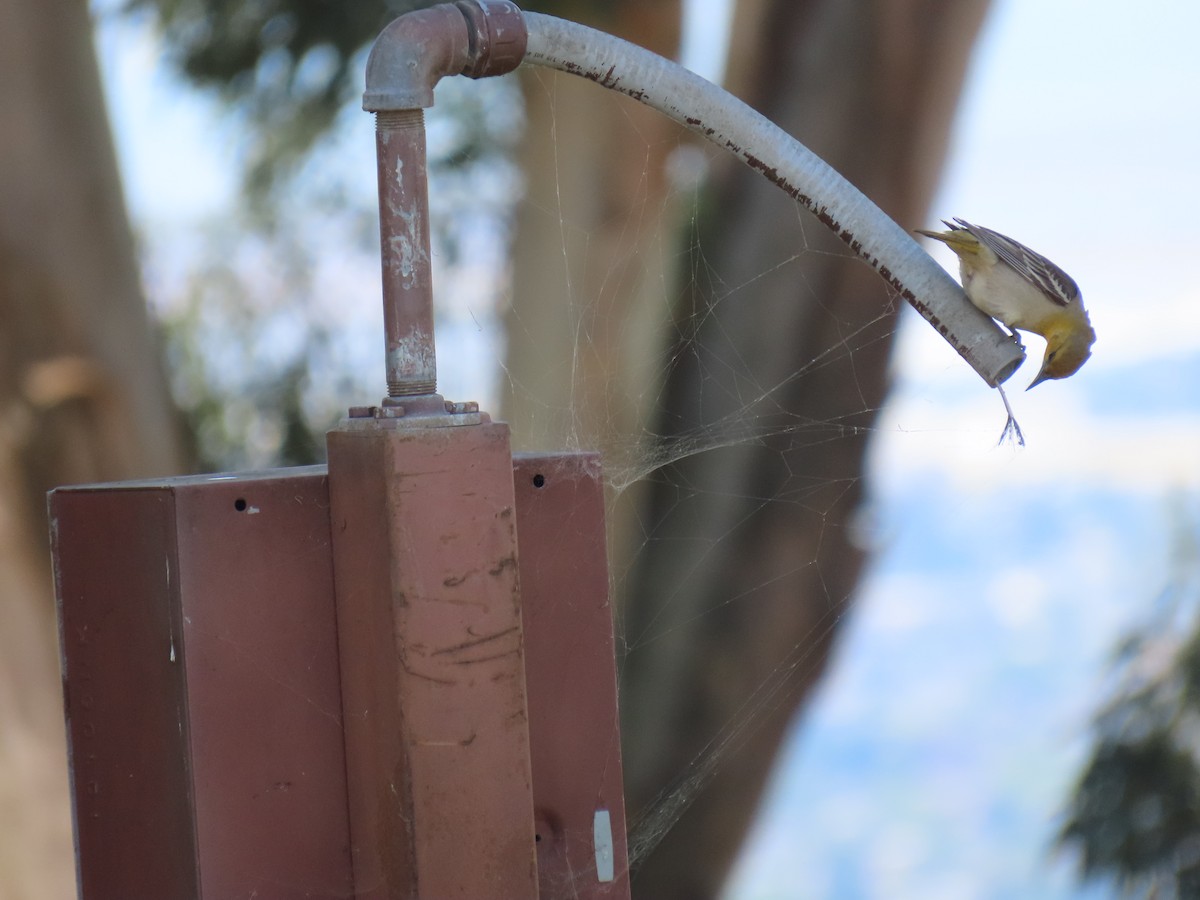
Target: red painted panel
(570, 672)
(201, 677)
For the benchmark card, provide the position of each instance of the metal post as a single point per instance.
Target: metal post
(432, 660)
(424, 541)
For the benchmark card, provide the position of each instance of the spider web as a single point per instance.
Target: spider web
(601, 395)
(288, 305)
(636, 297)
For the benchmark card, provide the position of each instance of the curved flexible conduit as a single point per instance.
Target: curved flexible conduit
(726, 121)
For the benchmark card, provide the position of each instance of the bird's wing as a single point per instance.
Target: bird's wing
(1048, 278)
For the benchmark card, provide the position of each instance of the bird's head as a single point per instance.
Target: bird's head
(1067, 349)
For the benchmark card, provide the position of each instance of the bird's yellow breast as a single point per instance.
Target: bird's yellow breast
(1003, 294)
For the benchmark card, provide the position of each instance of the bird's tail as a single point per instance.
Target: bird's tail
(961, 241)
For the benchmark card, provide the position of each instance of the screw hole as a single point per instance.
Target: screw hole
(537, 837)
(539, 480)
(240, 504)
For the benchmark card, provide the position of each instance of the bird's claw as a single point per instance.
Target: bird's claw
(1016, 336)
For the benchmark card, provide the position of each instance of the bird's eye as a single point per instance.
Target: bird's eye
(1050, 358)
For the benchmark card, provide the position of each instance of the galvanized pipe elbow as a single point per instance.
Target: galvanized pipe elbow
(413, 53)
(476, 38)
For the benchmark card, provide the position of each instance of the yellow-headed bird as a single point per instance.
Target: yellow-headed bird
(1025, 291)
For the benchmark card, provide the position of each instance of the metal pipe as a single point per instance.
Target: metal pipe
(404, 246)
(723, 119)
(473, 37)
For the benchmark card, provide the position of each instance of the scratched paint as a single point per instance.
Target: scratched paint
(412, 355)
(404, 233)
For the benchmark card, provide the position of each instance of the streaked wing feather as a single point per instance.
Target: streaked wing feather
(1048, 278)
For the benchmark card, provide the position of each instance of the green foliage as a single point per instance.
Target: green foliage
(1134, 814)
(252, 355)
(286, 67)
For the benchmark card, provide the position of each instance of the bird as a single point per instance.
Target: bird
(1024, 291)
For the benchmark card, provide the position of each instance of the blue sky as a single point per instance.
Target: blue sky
(936, 759)
(937, 755)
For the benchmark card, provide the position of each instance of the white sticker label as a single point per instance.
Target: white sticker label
(602, 839)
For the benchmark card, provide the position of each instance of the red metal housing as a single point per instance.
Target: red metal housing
(201, 676)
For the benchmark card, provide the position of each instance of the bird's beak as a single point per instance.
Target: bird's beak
(1041, 376)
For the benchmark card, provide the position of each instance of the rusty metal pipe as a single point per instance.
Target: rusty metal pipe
(723, 119)
(404, 247)
(477, 38)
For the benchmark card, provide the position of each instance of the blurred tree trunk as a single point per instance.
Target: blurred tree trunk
(751, 558)
(593, 234)
(82, 397)
(594, 258)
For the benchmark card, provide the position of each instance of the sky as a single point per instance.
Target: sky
(936, 758)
